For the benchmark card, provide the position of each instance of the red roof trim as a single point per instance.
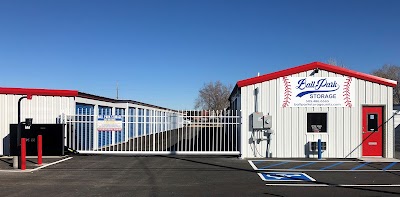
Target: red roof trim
(321, 66)
(38, 92)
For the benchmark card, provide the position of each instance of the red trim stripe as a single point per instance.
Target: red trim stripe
(312, 66)
(38, 92)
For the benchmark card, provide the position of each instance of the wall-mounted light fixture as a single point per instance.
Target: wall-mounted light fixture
(314, 72)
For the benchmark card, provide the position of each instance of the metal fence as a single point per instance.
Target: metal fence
(182, 132)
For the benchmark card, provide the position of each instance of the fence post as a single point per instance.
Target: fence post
(126, 127)
(95, 132)
(39, 149)
(23, 153)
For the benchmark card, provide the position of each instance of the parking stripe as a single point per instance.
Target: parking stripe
(313, 170)
(355, 168)
(330, 166)
(265, 167)
(327, 185)
(389, 166)
(306, 161)
(307, 164)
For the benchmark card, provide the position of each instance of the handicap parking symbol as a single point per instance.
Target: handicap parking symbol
(285, 176)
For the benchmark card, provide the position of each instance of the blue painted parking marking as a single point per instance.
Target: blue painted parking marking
(389, 166)
(331, 166)
(277, 164)
(307, 164)
(285, 176)
(364, 164)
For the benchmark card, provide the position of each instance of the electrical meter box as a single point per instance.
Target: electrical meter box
(267, 122)
(257, 120)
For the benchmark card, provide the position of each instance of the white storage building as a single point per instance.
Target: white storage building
(48, 106)
(351, 112)
(44, 107)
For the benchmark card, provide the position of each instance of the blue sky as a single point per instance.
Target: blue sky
(162, 52)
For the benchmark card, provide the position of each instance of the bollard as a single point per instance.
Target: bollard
(15, 162)
(23, 153)
(39, 149)
(319, 149)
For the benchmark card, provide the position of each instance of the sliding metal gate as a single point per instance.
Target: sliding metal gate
(182, 132)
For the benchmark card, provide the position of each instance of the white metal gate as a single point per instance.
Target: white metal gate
(180, 132)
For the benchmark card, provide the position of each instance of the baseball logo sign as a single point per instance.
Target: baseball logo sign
(317, 92)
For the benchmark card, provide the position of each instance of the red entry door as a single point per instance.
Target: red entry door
(372, 131)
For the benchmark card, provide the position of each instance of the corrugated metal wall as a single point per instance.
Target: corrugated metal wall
(43, 109)
(289, 124)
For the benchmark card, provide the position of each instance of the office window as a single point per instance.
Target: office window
(316, 122)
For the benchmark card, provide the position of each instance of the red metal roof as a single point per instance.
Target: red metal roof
(312, 66)
(38, 92)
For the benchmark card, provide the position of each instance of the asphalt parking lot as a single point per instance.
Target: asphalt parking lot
(187, 176)
(6, 163)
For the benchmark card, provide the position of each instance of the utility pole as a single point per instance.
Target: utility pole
(117, 90)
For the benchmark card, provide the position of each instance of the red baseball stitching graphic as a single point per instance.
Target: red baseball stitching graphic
(346, 92)
(287, 93)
